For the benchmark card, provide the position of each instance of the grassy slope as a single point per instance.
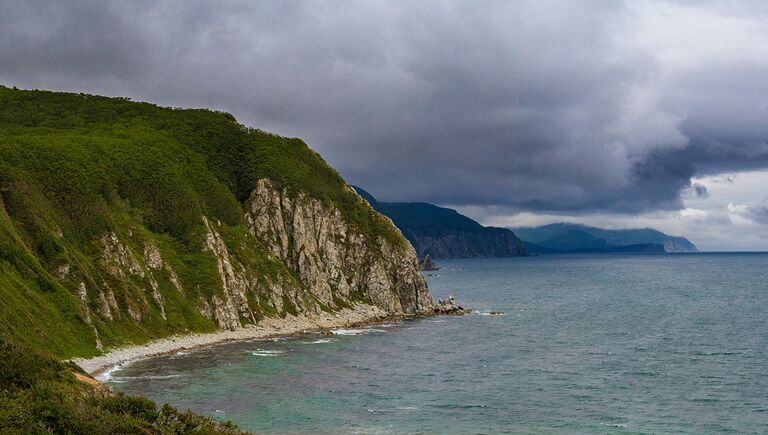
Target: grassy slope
(74, 167)
(39, 394)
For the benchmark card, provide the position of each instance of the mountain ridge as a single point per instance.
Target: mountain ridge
(570, 237)
(445, 233)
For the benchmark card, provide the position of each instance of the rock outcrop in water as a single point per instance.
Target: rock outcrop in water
(427, 265)
(450, 307)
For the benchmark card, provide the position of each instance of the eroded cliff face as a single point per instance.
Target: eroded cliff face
(492, 242)
(335, 262)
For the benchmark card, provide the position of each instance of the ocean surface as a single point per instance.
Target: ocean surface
(587, 343)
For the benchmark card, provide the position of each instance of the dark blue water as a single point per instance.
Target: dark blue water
(588, 343)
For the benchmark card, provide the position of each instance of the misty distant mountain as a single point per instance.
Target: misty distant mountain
(444, 233)
(566, 237)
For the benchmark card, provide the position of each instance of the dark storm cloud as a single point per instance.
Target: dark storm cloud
(543, 106)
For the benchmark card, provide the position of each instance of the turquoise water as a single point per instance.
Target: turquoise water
(588, 343)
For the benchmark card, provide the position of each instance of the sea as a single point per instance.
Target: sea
(578, 343)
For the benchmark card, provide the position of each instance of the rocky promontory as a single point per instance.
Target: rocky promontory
(122, 223)
(444, 233)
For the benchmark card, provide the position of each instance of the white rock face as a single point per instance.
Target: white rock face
(331, 257)
(121, 261)
(329, 265)
(233, 302)
(82, 294)
(119, 258)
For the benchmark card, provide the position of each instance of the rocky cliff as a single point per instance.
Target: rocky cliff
(444, 233)
(335, 262)
(121, 222)
(491, 242)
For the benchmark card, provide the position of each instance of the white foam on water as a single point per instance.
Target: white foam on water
(373, 430)
(261, 340)
(158, 376)
(380, 410)
(348, 331)
(614, 424)
(122, 379)
(319, 341)
(264, 352)
(106, 376)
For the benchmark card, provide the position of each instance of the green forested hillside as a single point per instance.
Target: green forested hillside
(76, 168)
(40, 395)
(441, 232)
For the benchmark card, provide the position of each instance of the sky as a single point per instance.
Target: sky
(610, 113)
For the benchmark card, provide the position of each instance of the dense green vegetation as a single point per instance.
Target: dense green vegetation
(76, 167)
(39, 394)
(93, 153)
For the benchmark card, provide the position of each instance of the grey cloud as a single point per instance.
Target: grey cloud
(539, 105)
(758, 213)
(700, 190)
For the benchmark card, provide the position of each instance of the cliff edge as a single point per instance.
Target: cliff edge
(123, 222)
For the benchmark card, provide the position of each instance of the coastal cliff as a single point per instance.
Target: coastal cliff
(123, 222)
(333, 260)
(441, 232)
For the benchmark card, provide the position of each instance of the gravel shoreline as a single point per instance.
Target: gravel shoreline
(358, 315)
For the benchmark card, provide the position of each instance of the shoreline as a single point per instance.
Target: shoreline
(269, 327)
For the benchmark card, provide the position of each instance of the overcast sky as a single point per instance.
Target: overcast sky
(516, 112)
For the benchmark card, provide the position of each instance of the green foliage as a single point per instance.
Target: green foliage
(76, 167)
(137, 407)
(288, 307)
(358, 296)
(21, 368)
(39, 394)
(169, 164)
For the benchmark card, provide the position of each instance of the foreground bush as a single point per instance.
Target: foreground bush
(39, 394)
